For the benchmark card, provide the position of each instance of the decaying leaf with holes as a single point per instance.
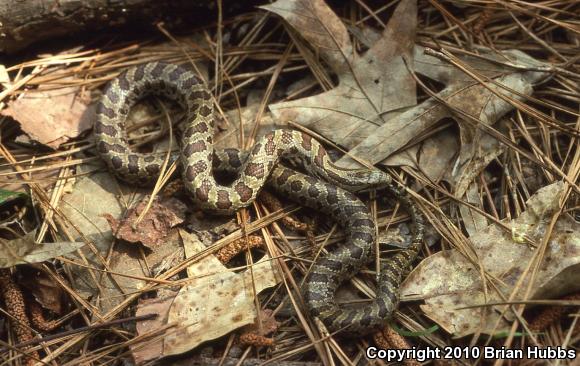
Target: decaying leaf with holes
(448, 281)
(214, 302)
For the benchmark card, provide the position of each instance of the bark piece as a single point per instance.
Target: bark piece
(25, 22)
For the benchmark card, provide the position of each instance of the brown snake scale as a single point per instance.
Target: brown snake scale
(327, 188)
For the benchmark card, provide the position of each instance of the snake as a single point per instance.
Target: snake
(322, 186)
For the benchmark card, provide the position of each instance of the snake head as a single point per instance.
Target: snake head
(370, 179)
(378, 178)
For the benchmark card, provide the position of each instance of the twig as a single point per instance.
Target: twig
(83, 329)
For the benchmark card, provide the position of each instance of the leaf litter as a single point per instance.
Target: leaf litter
(452, 286)
(370, 85)
(27, 250)
(151, 229)
(66, 113)
(129, 265)
(214, 302)
(450, 100)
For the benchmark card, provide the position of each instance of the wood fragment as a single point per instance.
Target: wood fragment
(27, 22)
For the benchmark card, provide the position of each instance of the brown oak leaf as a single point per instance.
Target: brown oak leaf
(370, 85)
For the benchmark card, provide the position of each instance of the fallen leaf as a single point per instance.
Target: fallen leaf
(26, 250)
(151, 345)
(52, 117)
(267, 324)
(448, 281)
(216, 300)
(466, 95)
(46, 291)
(92, 197)
(370, 85)
(465, 184)
(7, 196)
(433, 156)
(155, 225)
(474, 149)
(473, 221)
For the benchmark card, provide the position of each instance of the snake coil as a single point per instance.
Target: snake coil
(326, 188)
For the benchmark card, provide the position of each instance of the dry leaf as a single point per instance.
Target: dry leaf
(155, 225)
(268, 324)
(466, 186)
(433, 157)
(52, 117)
(474, 149)
(216, 300)
(448, 281)
(92, 197)
(151, 345)
(26, 250)
(467, 96)
(46, 291)
(370, 85)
